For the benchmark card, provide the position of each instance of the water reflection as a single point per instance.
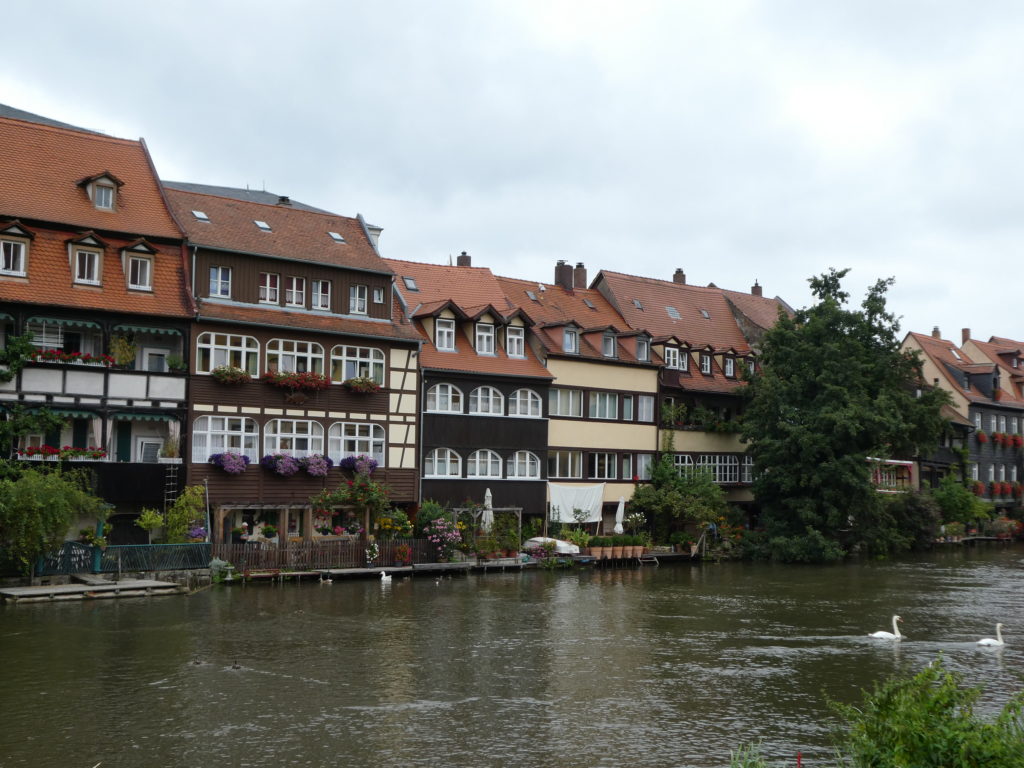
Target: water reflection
(670, 666)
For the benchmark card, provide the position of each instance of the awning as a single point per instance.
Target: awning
(143, 417)
(71, 321)
(69, 413)
(4, 317)
(147, 329)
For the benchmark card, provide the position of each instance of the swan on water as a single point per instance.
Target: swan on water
(894, 635)
(384, 576)
(997, 641)
(328, 580)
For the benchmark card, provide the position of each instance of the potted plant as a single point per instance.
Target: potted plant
(176, 364)
(403, 555)
(169, 452)
(954, 531)
(196, 533)
(269, 532)
(982, 437)
(230, 462)
(316, 465)
(363, 385)
(596, 547)
(149, 520)
(309, 381)
(230, 374)
(281, 464)
(123, 350)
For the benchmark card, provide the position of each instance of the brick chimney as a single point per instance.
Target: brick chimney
(464, 260)
(579, 276)
(936, 334)
(563, 275)
(283, 200)
(679, 276)
(755, 289)
(965, 335)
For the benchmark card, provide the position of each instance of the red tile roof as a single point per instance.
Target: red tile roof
(295, 233)
(308, 321)
(942, 354)
(41, 166)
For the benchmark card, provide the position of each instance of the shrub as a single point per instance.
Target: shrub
(812, 547)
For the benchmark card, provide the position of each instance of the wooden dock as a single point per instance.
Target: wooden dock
(108, 590)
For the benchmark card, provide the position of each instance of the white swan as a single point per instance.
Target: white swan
(997, 642)
(385, 576)
(894, 635)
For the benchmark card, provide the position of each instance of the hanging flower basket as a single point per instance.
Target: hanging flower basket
(230, 374)
(982, 437)
(232, 463)
(361, 385)
(60, 356)
(1018, 441)
(979, 488)
(281, 464)
(361, 464)
(309, 381)
(316, 465)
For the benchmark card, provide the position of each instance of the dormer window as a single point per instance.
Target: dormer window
(103, 196)
(12, 258)
(444, 337)
(485, 338)
(140, 273)
(571, 341)
(608, 345)
(515, 344)
(705, 363)
(87, 267)
(671, 357)
(643, 349)
(102, 190)
(730, 367)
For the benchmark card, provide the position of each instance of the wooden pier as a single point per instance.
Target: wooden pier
(107, 590)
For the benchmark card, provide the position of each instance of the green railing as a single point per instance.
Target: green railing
(75, 557)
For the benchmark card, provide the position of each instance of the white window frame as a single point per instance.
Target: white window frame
(974, 472)
(684, 359)
(705, 363)
(147, 444)
(290, 356)
(444, 398)
(571, 341)
(515, 341)
(13, 258)
(134, 280)
(643, 349)
(1002, 423)
(295, 291)
(348, 438)
(747, 469)
(484, 333)
(444, 459)
(217, 434)
(730, 367)
(484, 463)
(725, 468)
(644, 462)
(92, 260)
(378, 295)
(295, 437)
(525, 403)
(357, 299)
(1002, 473)
(602, 465)
(672, 357)
(486, 401)
(216, 349)
(609, 348)
(603, 405)
(565, 465)
(991, 473)
(161, 353)
(565, 402)
(683, 463)
(627, 466)
(46, 335)
(349, 362)
(220, 282)
(993, 422)
(270, 288)
(977, 419)
(523, 465)
(444, 334)
(645, 408)
(103, 196)
(627, 407)
(320, 296)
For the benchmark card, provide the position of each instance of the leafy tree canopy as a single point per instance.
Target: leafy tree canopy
(674, 498)
(833, 389)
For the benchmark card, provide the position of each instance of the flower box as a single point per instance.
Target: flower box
(361, 385)
(230, 462)
(280, 463)
(230, 374)
(305, 380)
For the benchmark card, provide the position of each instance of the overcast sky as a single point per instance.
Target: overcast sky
(737, 140)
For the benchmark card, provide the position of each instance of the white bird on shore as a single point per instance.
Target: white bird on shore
(894, 635)
(385, 577)
(997, 642)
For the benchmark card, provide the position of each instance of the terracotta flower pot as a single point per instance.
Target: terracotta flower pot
(616, 553)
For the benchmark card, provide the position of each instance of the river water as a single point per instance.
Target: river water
(661, 666)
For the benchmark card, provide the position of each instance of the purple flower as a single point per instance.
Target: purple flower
(281, 463)
(362, 464)
(197, 532)
(232, 463)
(316, 464)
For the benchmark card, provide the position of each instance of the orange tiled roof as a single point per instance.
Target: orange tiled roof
(307, 321)
(41, 166)
(49, 279)
(295, 233)
(942, 354)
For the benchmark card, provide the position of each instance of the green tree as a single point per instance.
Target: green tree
(833, 389)
(188, 508)
(675, 498)
(36, 509)
(959, 504)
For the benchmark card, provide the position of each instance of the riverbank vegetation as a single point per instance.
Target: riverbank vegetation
(926, 721)
(834, 390)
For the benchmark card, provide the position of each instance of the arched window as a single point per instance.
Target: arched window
(297, 437)
(444, 398)
(524, 402)
(353, 439)
(217, 434)
(351, 362)
(216, 349)
(523, 465)
(442, 462)
(284, 355)
(483, 463)
(486, 401)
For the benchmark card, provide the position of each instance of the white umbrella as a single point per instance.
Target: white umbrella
(620, 514)
(488, 517)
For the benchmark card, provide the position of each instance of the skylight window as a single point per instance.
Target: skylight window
(262, 225)
(705, 314)
(637, 304)
(336, 237)
(532, 295)
(590, 304)
(201, 216)
(672, 312)
(410, 283)
(955, 354)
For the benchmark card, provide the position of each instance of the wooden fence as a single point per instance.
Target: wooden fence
(319, 555)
